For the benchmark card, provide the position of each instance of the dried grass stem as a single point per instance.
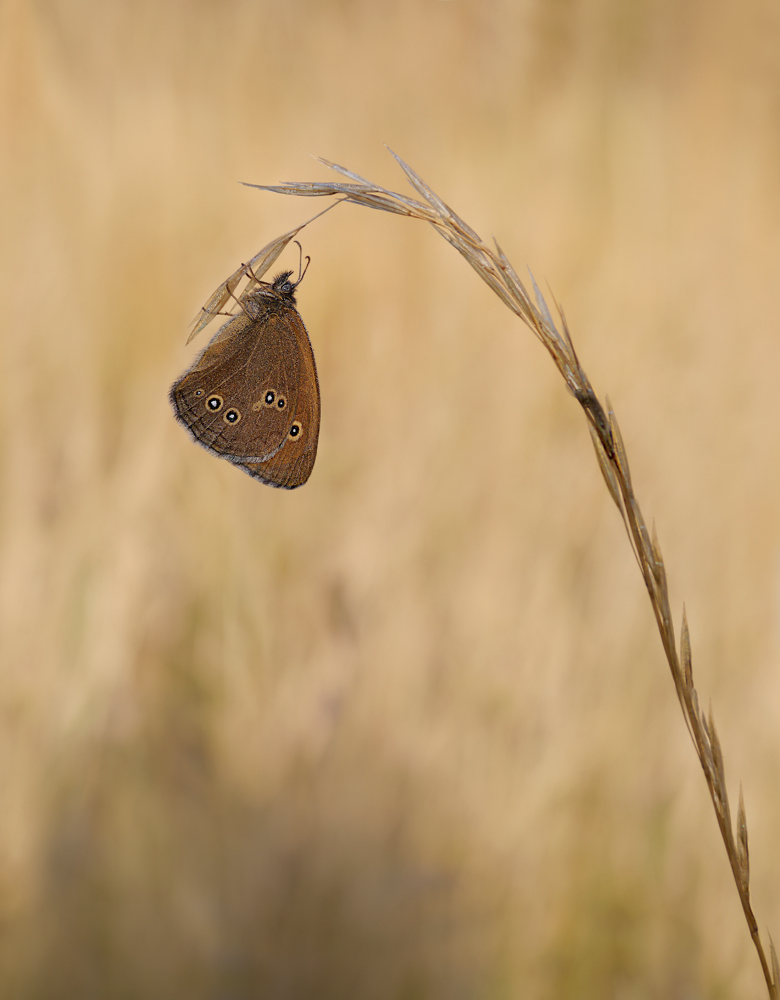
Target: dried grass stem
(495, 269)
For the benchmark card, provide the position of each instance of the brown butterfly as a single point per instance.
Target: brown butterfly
(252, 395)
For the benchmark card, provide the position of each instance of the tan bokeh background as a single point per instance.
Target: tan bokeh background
(406, 732)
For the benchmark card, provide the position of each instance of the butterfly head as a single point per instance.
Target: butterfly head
(284, 287)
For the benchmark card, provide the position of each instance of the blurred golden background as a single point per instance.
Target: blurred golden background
(406, 732)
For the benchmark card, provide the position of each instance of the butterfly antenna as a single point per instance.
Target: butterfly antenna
(300, 262)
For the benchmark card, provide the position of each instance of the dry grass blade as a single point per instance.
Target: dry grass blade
(496, 271)
(545, 313)
(743, 855)
(659, 570)
(422, 188)
(433, 199)
(360, 181)
(253, 269)
(717, 755)
(620, 451)
(512, 280)
(606, 468)
(720, 794)
(685, 652)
